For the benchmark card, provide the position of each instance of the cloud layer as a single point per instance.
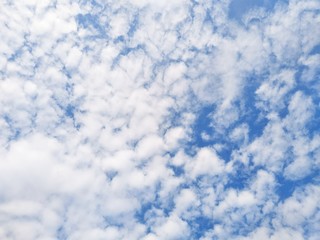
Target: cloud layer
(159, 120)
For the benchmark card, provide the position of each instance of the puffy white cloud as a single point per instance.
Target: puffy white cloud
(205, 163)
(172, 228)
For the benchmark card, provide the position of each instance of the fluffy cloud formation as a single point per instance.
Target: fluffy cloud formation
(159, 120)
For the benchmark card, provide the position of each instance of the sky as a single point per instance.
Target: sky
(159, 119)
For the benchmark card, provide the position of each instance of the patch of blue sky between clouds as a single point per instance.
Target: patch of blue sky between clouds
(160, 120)
(238, 9)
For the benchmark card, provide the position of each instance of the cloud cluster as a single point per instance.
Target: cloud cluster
(159, 120)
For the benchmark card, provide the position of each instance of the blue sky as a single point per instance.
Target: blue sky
(166, 120)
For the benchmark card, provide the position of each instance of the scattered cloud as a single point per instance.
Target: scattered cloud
(159, 119)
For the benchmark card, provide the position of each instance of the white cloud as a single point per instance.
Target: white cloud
(186, 200)
(172, 228)
(273, 92)
(205, 163)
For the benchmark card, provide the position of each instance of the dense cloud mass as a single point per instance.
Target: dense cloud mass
(172, 119)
